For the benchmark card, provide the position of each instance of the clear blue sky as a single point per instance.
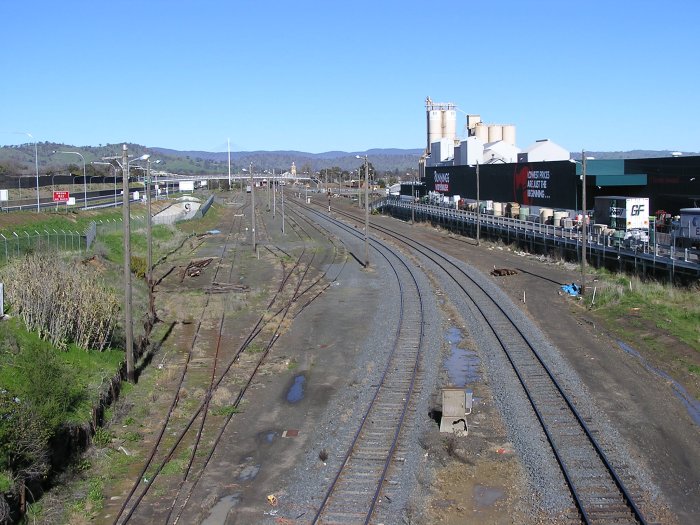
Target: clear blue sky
(325, 75)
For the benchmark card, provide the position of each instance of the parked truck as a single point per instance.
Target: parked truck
(628, 216)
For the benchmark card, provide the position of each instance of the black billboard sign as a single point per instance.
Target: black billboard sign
(550, 184)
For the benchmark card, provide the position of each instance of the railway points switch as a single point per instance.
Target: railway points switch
(456, 406)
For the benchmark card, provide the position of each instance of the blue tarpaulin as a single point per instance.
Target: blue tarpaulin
(572, 289)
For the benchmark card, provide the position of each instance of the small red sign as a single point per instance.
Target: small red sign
(61, 196)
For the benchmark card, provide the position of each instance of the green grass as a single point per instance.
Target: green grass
(133, 437)
(255, 348)
(210, 221)
(102, 437)
(174, 466)
(674, 310)
(91, 368)
(93, 501)
(5, 481)
(73, 221)
(224, 410)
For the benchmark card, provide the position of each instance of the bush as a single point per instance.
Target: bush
(62, 302)
(138, 266)
(102, 437)
(35, 400)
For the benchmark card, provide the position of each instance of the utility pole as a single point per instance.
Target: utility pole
(128, 321)
(584, 232)
(359, 187)
(478, 208)
(413, 203)
(252, 207)
(228, 143)
(282, 196)
(149, 240)
(366, 213)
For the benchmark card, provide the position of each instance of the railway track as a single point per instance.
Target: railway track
(597, 491)
(283, 304)
(354, 493)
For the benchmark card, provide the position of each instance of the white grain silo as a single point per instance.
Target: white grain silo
(449, 124)
(441, 121)
(434, 126)
(509, 134)
(481, 131)
(495, 133)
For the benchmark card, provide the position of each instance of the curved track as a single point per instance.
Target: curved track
(354, 492)
(598, 493)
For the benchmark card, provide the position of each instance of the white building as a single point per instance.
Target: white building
(441, 151)
(469, 152)
(543, 150)
(500, 151)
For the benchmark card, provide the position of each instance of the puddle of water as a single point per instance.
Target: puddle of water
(692, 405)
(486, 496)
(218, 513)
(249, 472)
(462, 365)
(267, 437)
(296, 392)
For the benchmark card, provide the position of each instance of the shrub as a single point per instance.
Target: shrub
(61, 302)
(138, 266)
(102, 437)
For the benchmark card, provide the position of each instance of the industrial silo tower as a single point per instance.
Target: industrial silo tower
(441, 122)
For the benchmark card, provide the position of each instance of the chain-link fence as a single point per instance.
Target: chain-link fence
(18, 244)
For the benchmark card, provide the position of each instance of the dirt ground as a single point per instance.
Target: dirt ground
(477, 479)
(641, 403)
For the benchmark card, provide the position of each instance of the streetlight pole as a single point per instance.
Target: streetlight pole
(584, 232)
(84, 175)
(149, 257)
(128, 322)
(252, 207)
(269, 195)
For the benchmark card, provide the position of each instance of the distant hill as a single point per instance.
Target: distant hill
(632, 154)
(19, 160)
(383, 160)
